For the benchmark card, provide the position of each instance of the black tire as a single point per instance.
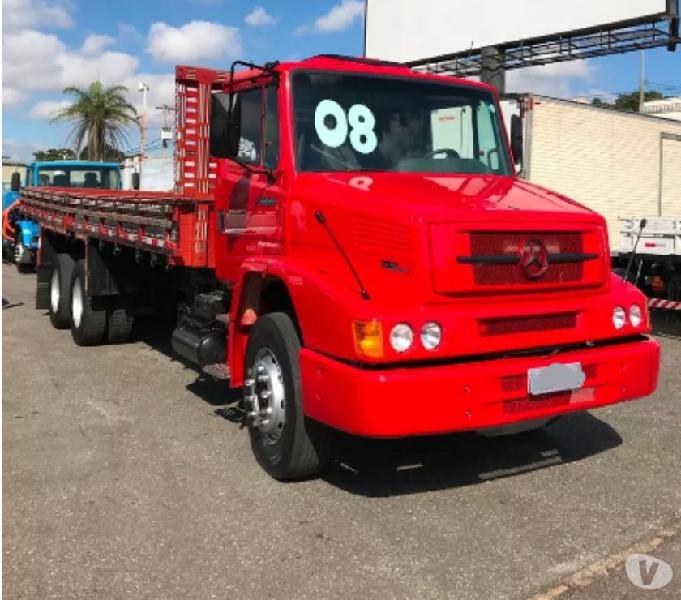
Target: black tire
(88, 324)
(120, 321)
(302, 446)
(60, 291)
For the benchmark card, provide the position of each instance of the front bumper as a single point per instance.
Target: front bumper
(421, 400)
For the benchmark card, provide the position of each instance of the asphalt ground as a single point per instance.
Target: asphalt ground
(126, 475)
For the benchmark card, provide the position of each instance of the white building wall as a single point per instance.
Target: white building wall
(606, 160)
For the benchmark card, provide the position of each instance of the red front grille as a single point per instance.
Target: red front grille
(511, 244)
(528, 324)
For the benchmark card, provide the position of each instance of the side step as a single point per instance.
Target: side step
(217, 371)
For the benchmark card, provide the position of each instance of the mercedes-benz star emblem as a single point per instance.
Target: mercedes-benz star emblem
(534, 259)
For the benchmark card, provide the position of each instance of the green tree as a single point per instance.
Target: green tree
(99, 116)
(110, 154)
(55, 154)
(629, 102)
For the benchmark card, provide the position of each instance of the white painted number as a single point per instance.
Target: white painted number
(362, 122)
(330, 136)
(360, 118)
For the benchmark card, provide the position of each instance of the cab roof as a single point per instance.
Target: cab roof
(74, 163)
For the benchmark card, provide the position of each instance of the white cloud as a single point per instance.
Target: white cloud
(17, 14)
(12, 96)
(94, 44)
(193, 41)
(259, 17)
(340, 17)
(46, 109)
(557, 79)
(38, 61)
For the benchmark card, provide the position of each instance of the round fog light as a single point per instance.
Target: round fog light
(431, 335)
(401, 337)
(635, 315)
(619, 317)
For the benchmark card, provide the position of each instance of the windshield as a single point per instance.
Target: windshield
(83, 177)
(347, 122)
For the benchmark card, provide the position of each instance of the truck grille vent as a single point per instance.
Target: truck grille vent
(528, 324)
(378, 237)
(565, 257)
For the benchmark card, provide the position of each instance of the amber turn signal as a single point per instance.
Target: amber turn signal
(368, 338)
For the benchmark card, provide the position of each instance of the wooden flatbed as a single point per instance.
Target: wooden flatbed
(162, 223)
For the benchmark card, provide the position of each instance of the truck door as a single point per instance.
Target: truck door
(249, 203)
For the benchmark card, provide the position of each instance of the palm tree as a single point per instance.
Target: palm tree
(100, 117)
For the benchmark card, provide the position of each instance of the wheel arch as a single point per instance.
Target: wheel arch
(258, 293)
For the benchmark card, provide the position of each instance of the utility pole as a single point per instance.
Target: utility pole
(166, 133)
(144, 88)
(642, 83)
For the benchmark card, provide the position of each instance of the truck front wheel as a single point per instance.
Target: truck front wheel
(285, 443)
(60, 291)
(88, 325)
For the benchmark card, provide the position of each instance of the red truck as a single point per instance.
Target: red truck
(348, 242)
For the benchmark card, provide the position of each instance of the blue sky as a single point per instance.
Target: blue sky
(48, 44)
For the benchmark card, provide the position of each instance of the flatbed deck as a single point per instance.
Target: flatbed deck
(163, 223)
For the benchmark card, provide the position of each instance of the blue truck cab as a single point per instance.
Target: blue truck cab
(21, 236)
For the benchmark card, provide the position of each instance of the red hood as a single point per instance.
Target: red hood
(436, 197)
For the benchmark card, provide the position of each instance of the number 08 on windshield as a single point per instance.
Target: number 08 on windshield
(365, 123)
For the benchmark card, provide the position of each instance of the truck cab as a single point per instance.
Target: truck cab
(433, 289)
(20, 234)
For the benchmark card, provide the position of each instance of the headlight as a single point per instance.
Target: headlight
(619, 317)
(401, 337)
(431, 335)
(635, 315)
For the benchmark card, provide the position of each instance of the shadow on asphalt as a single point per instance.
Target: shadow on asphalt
(378, 468)
(7, 304)
(667, 323)
(156, 333)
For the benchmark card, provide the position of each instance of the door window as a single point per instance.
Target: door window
(250, 142)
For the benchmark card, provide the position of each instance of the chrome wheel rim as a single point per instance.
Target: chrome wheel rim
(265, 396)
(54, 291)
(18, 252)
(76, 303)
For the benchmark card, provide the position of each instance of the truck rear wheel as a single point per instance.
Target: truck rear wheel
(120, 322)
(285, 443)
(60, 291)
(88, 325)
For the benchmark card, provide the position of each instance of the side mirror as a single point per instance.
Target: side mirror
(517, 138)
(135, 180)
(225, 126)
(15, 182)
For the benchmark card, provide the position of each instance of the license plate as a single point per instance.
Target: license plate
(558, 377)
